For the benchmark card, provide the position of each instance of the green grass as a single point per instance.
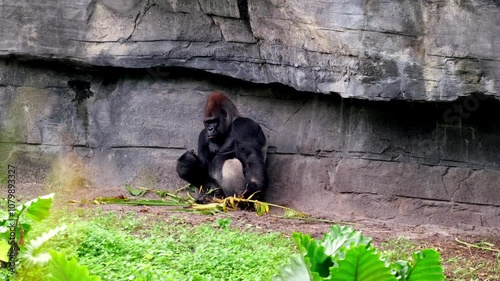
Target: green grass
(399, 248)
(137, 247)
(460, 264)
(128, 246)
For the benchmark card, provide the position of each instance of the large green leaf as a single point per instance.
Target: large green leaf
(342, 236)
(320, 263)
(31, 254)
(400, 270)
(426, 267)
(4, 250)
(361, 263)
(297, 270)
(38, 208)
(345, 255)
(4, 233)
(63, 270)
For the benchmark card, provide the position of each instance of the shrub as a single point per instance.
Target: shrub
(344, 254)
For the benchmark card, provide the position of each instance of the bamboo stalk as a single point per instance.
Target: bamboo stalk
(477, 246)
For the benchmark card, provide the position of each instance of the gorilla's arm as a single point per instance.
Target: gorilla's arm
(250, 148)
(203, 149)
(189, 168)
(194, 168)
(207, 153)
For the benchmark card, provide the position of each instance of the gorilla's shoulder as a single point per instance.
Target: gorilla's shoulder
(246, 129)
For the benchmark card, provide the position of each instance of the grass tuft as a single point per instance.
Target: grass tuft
(127, 246)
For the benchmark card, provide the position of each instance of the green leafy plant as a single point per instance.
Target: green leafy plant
(62, 269)
(177, 250)
(20, 221)
(344, 254)
(31, 256)
(224, 223)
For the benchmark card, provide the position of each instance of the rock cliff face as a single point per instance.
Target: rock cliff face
(103, 92)
(369, 49)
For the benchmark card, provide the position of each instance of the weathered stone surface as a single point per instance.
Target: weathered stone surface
(407, 162)
(416, 181)
(376, 50)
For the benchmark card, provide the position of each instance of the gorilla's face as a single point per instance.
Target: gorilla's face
(217, 126)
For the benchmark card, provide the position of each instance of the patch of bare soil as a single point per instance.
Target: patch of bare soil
(460, 262)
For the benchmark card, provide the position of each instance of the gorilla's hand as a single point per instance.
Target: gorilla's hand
(189, 156)
(208, 193)
(252, 189)
(189, 169)
(202, 199)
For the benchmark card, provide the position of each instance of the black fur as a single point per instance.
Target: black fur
(241, 139)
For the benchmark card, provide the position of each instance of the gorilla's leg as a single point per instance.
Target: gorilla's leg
(228, 173)
(254, 170)
(233, 180)
(190, 169)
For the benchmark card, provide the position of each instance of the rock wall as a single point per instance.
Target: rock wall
(102, 93)
(408, 162)
(369, 49)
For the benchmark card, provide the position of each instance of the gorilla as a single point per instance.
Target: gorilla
(231, 153)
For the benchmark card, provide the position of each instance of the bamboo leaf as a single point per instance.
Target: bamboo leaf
(210, 206)
(232, 202)
(137, 202)
(135, 192)
(162, 193)
(190, 198)
(261, 208)
(291, 213)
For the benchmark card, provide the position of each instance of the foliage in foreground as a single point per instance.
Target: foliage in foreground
(344, 254)
(175, 250)
(125, 246)
(15, 233)
(62, 269)
(15, 230)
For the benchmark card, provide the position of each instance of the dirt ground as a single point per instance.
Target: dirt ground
(460, 262)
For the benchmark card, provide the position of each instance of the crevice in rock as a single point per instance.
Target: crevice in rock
(446, 171)
(243, 9)
(82, 93)
(424, 199)
(48, 87)
(81, 89)
(146, 147)
(139, 17)
(462, 57)
(295, 112)
(90, 10)
(95, 147)
(459, 185)
(221, 34)
(484, 111)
